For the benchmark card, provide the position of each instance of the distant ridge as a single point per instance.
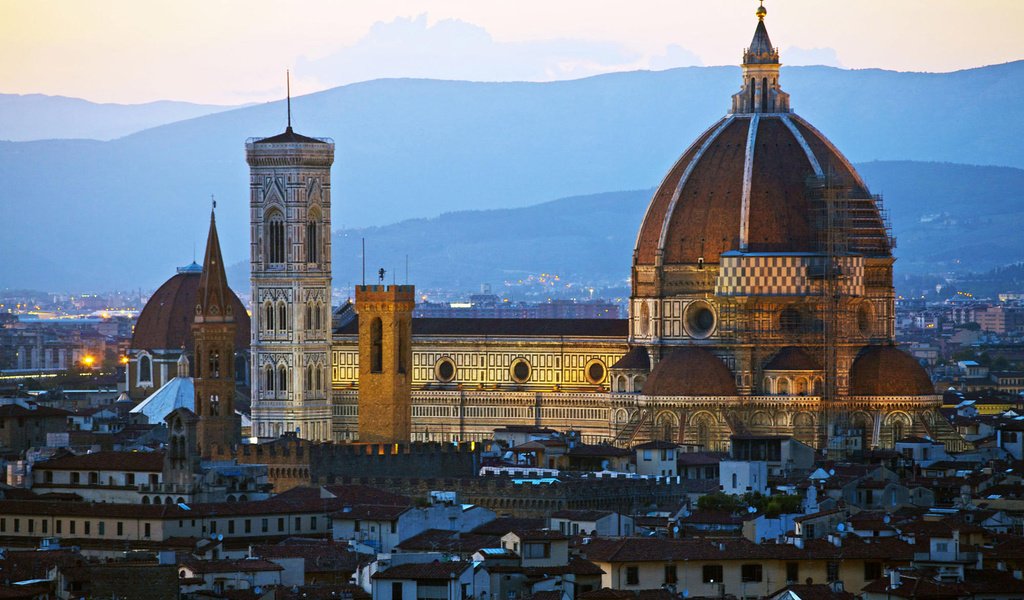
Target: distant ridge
(946, 217)
(126, 212)
(29, 117)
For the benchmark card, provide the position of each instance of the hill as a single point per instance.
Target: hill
(941, 214)
(125, 212)
(26, 117)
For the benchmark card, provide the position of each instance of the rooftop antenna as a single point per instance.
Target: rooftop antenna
(364, 262)
(213, 202)
(380, 275)
(288, 87)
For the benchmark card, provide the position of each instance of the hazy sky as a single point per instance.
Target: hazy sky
(233, 51)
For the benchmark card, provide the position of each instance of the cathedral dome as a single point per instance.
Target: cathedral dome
(165, 323)
(793, 358)
(690, 371)
(753, 181)
(888, 371)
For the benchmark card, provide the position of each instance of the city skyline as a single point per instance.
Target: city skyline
(114, 52)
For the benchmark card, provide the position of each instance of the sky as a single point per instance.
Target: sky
(236, 51)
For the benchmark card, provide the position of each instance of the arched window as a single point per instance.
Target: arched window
(376, 346)
(764, 94)
(309, 316)
(309, 378)
(319, 381)
(214, 370)
(312, 243)
(145, 369)
(316, 316)
(275, 238)
(282, 316)
(269, 380)
(268, 319)
(753, 88)
(282, 379)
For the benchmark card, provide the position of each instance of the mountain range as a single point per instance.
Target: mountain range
(103, 214)
(27, 117)
(945, 217)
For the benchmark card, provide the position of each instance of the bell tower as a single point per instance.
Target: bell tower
(290, 254)
(214, 333)
(385, 362)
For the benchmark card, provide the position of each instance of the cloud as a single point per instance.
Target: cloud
(455, 49)
(675, 56)
(795, 56)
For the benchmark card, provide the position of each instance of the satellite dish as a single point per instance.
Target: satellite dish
(213, 536)
(841, 527)
(751, 510)
(886, 519)
(220, 537)
(675, 529)
(831, 471)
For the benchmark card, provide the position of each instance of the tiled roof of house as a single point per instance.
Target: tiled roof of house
(431, 571)
(106, 461)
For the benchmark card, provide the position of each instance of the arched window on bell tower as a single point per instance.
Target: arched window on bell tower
(282, 379)
(214, 370)
(275, 237)
(282, 316)
(312, 239)
(377, 346)
(268, 317)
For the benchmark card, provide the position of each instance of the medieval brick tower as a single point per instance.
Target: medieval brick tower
(385, 362)
(290, 212)
(214, 333)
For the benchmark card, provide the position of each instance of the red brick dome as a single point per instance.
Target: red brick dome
(690, 371)
(746, 179)
(888, 371)
(165, 323)
(793, 358)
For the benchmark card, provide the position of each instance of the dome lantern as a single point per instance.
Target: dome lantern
(760, 92)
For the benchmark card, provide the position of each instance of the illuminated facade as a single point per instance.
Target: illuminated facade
(762, 303)
(290, 213)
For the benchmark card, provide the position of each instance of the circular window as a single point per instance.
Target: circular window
(790, 320)
(596, 371)
(520, 370)
(444, 370)
(865, 318)
(699, 319)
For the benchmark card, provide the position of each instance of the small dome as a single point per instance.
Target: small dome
(792, 358)
(888, 371)
(165, 323)
(690, 371)
(636, 360)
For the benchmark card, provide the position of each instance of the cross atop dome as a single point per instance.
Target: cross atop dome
(760, 92)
